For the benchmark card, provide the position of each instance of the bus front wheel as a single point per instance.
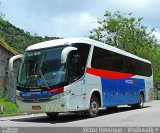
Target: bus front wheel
(94, 107)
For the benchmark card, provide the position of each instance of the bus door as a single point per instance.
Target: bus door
(76, 99)
(77, 87)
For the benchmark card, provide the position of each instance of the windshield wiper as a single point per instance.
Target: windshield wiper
(41, 76)
(26, 84)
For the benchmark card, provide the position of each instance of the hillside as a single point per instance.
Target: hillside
(18, 38)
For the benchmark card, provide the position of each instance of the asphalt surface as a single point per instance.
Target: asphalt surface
(124, 116)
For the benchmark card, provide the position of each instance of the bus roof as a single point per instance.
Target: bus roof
(68, 41)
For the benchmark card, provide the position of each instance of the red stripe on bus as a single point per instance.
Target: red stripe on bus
(57, 90)
(108, 74)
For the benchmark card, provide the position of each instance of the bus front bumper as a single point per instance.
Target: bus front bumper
(37, 105)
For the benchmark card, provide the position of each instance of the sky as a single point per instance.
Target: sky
(74, 18)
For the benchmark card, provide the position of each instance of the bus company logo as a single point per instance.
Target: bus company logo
(130, 81)
(35, 90)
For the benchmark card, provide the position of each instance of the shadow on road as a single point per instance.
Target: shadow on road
(71, 117)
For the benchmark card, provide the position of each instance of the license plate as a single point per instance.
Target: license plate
(36, 107)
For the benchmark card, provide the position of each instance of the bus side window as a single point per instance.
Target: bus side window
(81, 55)
(74, 67)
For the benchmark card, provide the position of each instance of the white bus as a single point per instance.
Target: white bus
(80, 74)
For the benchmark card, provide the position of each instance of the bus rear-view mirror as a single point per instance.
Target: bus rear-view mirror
(65, 53)
(11, 61)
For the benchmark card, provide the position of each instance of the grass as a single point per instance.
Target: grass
(7, 107)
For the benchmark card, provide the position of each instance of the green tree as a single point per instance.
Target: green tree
(126, 32)
(122, 31)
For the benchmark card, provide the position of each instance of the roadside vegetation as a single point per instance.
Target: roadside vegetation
(7, 107)
(17, 38)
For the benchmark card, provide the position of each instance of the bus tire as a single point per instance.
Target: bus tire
(94, 107)
(140, 103)
(52, 114)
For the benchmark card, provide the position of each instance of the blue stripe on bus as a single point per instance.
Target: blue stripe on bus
(121, 91)
(35, 95)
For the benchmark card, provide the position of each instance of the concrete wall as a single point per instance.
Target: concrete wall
(7, 84)
(12, 81)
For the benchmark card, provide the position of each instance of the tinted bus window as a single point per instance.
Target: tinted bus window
(82, 52)
(107, 60)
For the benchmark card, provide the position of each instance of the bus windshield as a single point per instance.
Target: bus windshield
(42, 68)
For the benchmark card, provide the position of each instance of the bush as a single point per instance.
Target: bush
(7, 107)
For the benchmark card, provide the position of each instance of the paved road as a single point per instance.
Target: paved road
(123, 116)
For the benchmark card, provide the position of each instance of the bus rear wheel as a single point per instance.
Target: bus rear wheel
(52, 114)
(140, 103)
(94, 107)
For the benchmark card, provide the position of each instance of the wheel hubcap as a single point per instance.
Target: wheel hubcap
(141, 101)
(94, 108)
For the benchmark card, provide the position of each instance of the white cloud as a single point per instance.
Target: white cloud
(71, 25)
(73, 18)
(157, 35)
(136, 3)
